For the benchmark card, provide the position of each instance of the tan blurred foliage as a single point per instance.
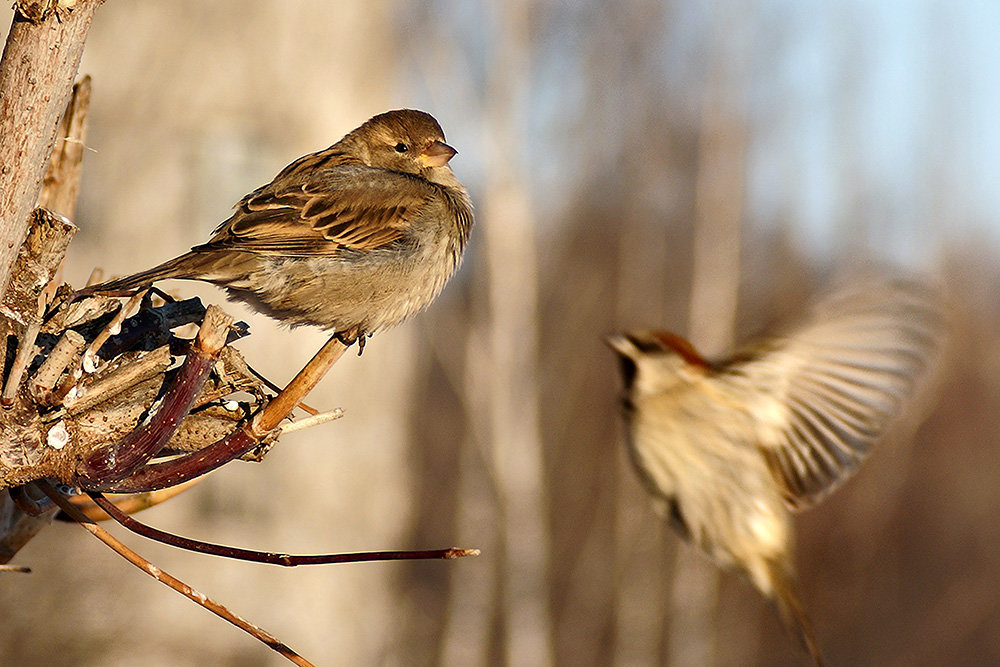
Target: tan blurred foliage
(491, 420)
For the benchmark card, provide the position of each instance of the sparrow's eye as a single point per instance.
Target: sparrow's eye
(401, 147)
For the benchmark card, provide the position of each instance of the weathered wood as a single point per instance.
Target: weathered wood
(40, 61)
(61, 183)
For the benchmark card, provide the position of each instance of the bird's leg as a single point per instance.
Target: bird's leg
(250, 434)
(105, 466)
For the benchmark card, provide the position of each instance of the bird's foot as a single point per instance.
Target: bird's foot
(348, 338)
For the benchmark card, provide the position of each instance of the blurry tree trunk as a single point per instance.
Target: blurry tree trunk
(715, 279)
(40, 62)
(515, 436)
(641, 581)
(475, 592)
(715, 284)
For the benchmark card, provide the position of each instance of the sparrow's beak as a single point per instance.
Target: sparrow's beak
(622, 345)
(628, 356)
(437, 154)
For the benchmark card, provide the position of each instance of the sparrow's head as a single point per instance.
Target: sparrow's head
(655, 361)
(404, 140)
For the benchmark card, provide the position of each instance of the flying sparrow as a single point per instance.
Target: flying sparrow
(353, 239)
(729, 450)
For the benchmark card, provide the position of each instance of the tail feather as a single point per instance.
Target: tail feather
(792, 614)
(184, 266)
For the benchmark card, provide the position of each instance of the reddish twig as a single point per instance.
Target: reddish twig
(102, 468)
(237, 443)
(287, 560)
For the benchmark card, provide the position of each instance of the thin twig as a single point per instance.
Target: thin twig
(95, 276)
(171, 581)
(15, 568)
(273, 387)
(271, 558)
(314, 420)
(61, 183)
(114, 326)
(152, 321)
(130, 503)
(283, 404)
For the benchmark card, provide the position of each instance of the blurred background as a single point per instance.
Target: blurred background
(702, 167)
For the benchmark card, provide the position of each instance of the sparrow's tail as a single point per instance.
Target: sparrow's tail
(791, 611)
(184, 266)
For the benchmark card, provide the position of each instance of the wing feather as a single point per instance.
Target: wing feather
(326, 212)
(839, 380)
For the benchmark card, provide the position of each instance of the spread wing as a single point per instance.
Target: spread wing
(324, 212)
(832, 388)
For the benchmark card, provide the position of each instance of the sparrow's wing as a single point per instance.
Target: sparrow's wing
(826, 392)
(325, 212)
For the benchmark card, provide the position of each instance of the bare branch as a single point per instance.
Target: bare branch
(111, 464)
(240, 441)
(61, 184)
(168, 580)
(287, 560)
(65, 352)
(120, 378)
(40, 61)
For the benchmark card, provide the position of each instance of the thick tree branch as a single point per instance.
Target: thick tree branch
(40, 61)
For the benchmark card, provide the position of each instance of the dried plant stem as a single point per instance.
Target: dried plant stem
(96, 274)
(122, 378)
(15, 568)
(25, 353)
(61, 183)
(169, 580)
(276, 411)
(313, 420)
(62, 355)
(240, 441)
(130, 503)
(273, 387)
(38, 66)
(113, 326)
(108, 465)
(170, 315)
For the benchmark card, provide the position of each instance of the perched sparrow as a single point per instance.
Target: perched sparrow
(353, 239)
(729, 450)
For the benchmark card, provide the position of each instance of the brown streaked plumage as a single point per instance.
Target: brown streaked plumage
(352, 239)
(729, 450)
